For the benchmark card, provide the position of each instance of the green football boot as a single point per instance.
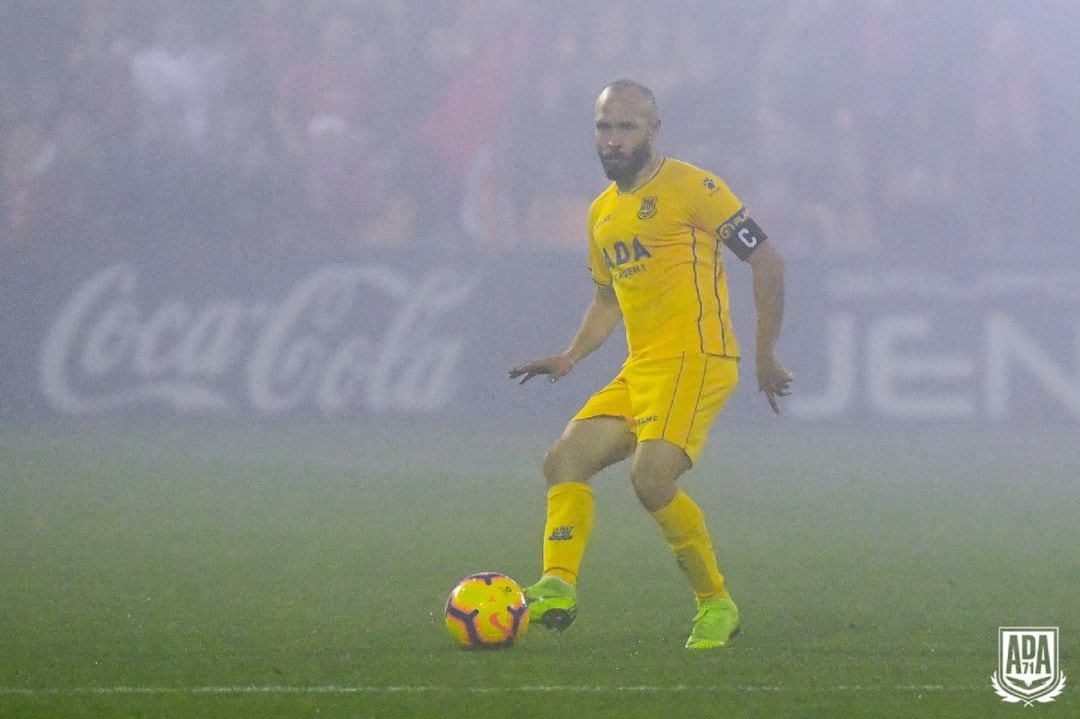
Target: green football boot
(716, 621)
(552, 602)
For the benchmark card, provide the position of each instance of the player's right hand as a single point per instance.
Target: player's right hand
(555, 366)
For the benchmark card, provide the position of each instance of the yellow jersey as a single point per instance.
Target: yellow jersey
(659, 247)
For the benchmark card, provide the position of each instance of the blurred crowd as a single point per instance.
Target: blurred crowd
(851, 128)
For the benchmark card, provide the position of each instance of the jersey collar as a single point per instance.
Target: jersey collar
(631, 191)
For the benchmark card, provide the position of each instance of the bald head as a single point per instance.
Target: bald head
(627, 125)
(631, 93)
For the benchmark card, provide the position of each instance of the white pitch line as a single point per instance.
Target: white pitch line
(436, 689)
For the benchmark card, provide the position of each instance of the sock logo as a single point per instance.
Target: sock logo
(562, 534)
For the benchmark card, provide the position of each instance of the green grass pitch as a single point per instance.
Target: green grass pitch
(224, 573)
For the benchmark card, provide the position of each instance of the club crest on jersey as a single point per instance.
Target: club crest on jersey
(648, 207)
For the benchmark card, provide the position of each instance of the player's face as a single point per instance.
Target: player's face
(625, 130)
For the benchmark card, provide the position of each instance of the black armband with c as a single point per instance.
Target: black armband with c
(741, 234)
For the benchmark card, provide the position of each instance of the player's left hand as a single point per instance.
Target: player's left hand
(773, 380)
(555, 366)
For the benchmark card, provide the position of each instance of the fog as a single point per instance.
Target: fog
(265, 264)
(180, 176)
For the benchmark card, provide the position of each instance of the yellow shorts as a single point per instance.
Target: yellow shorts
(670, 398)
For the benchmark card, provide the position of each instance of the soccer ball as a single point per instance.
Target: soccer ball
(486, 610)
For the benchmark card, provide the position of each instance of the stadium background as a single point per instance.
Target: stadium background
(316, 233)
(915, 164)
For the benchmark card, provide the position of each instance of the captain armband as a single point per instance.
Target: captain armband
(741, 234)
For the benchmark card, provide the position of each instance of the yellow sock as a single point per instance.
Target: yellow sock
(684, 529)
(570, 508)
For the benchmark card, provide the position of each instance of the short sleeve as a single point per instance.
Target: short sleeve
(721, 212)
(713, 202)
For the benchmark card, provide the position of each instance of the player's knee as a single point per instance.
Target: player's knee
(566, 461)
(653, 491)
(557, 464)
(649, 468)
(653, 477)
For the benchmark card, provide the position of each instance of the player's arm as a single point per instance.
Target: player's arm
(767, 269)
(600, 319)
(743, 237)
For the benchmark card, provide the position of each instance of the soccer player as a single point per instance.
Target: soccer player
(655, 238)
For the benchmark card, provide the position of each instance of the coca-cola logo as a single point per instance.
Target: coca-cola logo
(345, 337)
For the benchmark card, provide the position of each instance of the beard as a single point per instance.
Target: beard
(624, 168)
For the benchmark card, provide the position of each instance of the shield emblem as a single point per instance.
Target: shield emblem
(648, 207)
(1028, 667)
